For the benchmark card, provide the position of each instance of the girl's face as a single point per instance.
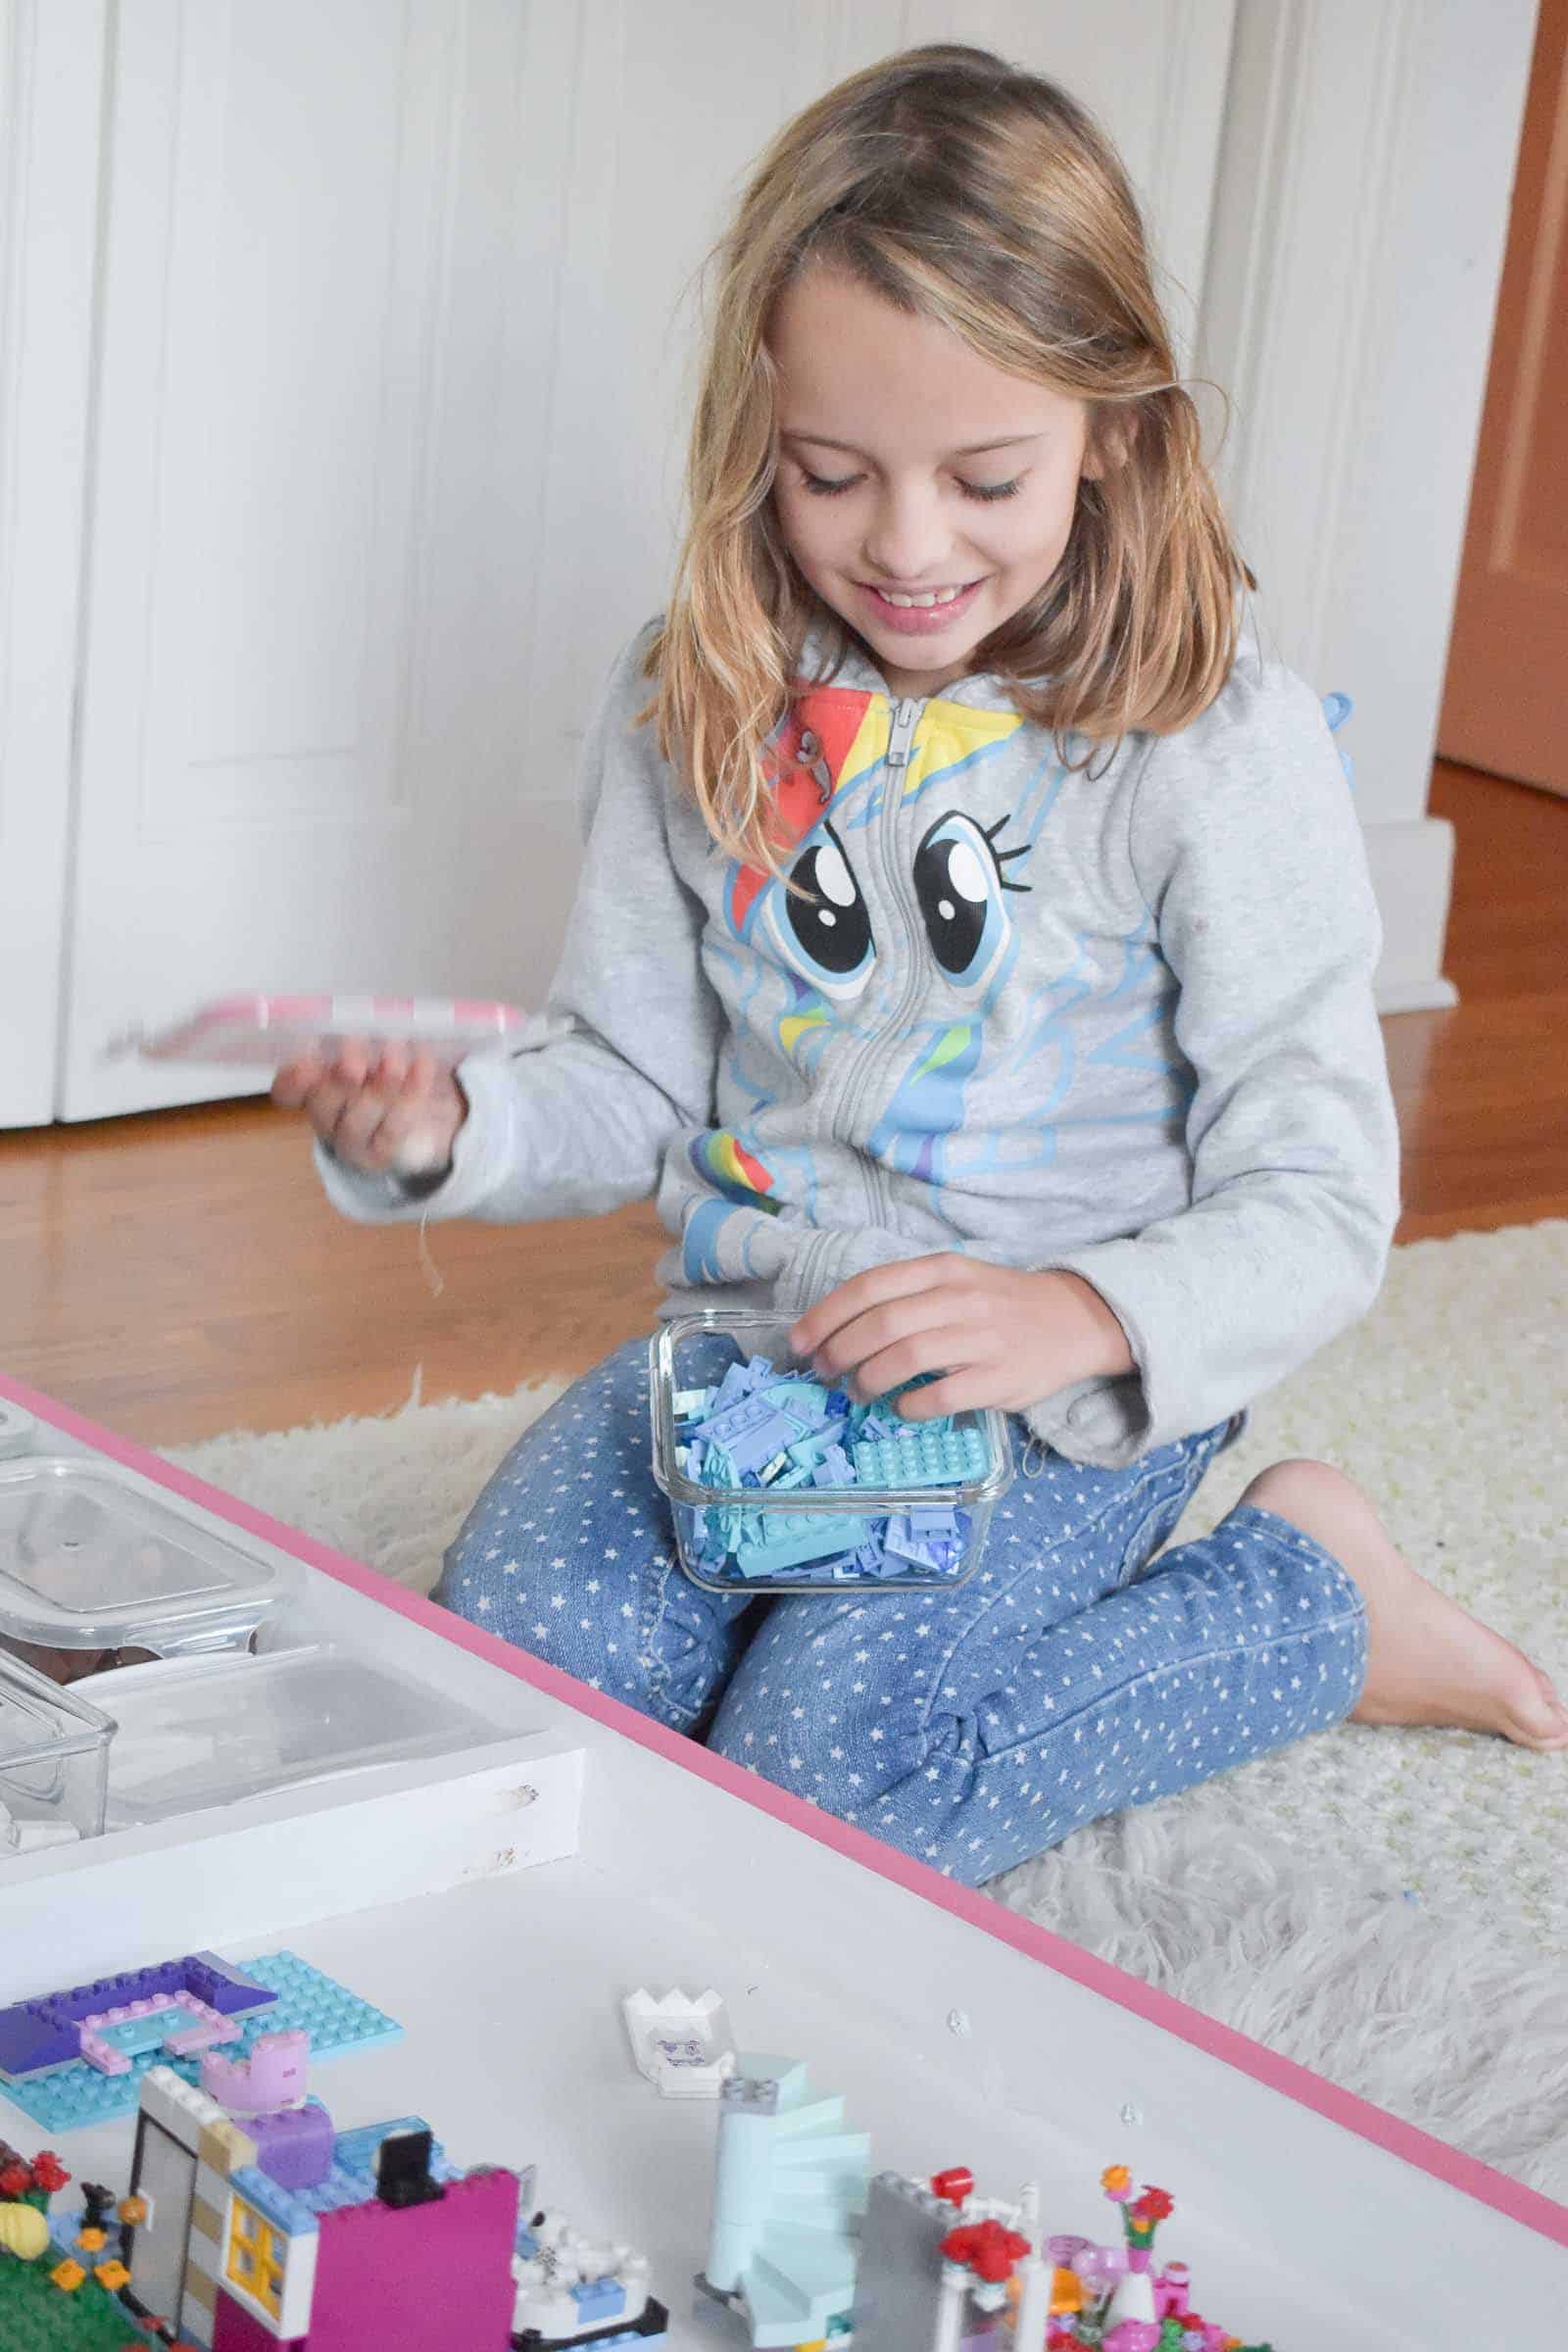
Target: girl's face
(910, 465)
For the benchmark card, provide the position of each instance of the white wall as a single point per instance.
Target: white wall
(1360, 223)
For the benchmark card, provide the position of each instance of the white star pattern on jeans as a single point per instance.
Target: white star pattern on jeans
(1018, 1708)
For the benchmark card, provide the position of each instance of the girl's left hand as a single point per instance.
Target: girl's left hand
(997, 1336)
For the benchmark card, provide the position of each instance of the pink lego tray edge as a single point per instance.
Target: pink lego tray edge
(1527, 2206)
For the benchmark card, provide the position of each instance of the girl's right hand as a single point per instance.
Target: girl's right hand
(380, 1105)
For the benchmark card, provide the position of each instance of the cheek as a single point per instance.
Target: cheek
(806, 524)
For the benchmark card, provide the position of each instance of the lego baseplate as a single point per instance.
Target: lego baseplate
(68, 2097)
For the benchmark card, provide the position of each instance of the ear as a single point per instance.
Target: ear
(1105, 447)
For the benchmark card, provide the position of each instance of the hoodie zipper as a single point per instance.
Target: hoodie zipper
(906, 715)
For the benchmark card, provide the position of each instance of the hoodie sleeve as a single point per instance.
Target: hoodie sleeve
(1246, 846)
(623, 1056)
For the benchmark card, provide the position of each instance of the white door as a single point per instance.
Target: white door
(392, 384)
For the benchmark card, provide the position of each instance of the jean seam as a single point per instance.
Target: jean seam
(1036, 1559)
(1153, 1673)
(658, 1668)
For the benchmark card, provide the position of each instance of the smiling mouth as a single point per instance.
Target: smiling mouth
(925, 599)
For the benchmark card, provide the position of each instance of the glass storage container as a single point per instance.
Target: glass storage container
(95, 1557)
(926, 1528)
(54, 1754)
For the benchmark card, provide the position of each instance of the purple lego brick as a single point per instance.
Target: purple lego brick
(45, 2032)
(294, 2146)
(751, 1433)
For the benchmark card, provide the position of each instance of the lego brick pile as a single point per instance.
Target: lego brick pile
(768, 1434)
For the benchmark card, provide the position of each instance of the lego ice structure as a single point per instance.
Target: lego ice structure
(805, 2249)
(790, 2187)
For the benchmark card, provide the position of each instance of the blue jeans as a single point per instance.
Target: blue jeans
(971, 1728)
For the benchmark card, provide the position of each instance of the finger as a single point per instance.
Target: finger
(325, 1106)
(392, 1065)
(294, 1081)
(875, 1289)
(848, 1351)
(969, 1389)
(353, 1062)
(944, 1347)
(357, 1127)
(408, 1118)
(422, 1072)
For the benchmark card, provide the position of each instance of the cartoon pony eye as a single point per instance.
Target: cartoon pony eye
(825, 936)
(958, 881)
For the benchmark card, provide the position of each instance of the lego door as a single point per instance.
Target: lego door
(166, 2176)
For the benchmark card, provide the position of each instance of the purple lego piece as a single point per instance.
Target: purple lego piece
(834, 1469)
(925, 1522)
(751, 1431)
(273, 2075)
(46, 2031)
(293, 2147)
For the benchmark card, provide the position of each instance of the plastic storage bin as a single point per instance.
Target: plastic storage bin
(195, 1733)
(93, 1557)
(54, 1760)
(805, 1538)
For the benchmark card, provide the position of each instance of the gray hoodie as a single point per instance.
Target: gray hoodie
(1118, 1022)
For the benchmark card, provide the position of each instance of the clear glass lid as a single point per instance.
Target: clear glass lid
(93, 1556)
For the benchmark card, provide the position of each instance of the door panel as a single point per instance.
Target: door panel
(1506, 702)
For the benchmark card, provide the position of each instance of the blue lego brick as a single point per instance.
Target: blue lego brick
(599, 2301)
(787, 1538)
(300, 1996)
(929, 1456)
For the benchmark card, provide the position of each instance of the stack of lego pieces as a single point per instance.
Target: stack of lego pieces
(768, 1434)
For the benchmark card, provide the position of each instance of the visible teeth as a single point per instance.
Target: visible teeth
(943, 595)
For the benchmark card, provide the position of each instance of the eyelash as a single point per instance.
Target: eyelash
(822, 488)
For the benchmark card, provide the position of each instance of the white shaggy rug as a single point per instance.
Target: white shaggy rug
(1390, 1907)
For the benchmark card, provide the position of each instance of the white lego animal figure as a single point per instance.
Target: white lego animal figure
(559, 2281)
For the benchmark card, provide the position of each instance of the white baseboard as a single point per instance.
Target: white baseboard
(1412, 872)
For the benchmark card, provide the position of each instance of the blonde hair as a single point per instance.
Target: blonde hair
(962, 189)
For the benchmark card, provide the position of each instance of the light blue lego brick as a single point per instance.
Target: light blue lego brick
(599, 2301)
(792, 1536)
(336, 2020)
(931, 1456)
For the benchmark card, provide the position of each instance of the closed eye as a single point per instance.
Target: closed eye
(820, 487)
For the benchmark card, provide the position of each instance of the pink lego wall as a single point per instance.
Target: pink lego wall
(234, 2331)
(429, 2279)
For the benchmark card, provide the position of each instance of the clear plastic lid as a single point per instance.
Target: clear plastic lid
(203, 1731)
(95, 1557)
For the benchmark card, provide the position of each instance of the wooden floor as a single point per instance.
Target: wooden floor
(181, 1273)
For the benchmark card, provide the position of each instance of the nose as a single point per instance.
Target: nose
(908, 541)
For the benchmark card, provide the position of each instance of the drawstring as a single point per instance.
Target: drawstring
(1032, 1466)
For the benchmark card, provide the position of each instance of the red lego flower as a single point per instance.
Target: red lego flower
(1157, 2204)
(48, 2173)
(986, 2249)
(16, 2180)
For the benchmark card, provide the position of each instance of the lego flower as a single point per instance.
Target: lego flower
(1157, 2203)
(15, 2180)
(48, 2173)
(1116, 2182)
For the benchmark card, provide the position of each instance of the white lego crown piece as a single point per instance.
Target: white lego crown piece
(683, 2046)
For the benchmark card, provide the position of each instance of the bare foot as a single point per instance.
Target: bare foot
(1429, 1660)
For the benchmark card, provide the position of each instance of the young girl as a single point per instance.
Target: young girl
(973, 953)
